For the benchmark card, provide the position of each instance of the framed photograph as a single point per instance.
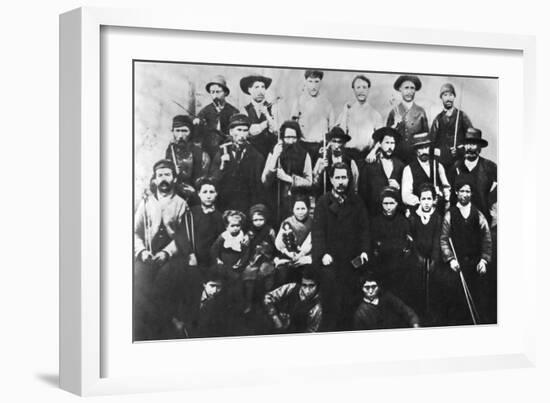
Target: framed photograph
(231, 199)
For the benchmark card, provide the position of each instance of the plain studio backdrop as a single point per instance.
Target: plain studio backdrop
(163, 90)
(29, 105)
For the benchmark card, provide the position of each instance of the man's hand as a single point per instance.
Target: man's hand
(326, 260)
(323, 164)
(160, 258)
(453, 151)
(193, 260)
(146, 256)
(371, 157)
(196, 121)
(278, 149)
(364, 258)
(482, 267)
(283, 176)
(394, 184)
(455, 266)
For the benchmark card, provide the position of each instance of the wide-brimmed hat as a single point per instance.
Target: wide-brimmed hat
(413, 79)
(447, 87)
(473, 135)
(218, 80)
(421, 139)
(239, 119)
(246, 82)
(338, 133)
(379, 134)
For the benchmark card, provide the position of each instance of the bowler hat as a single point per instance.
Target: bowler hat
(379, 134)
(239, 119)
(447, 87)
(246, 82)
(218, 80)
(338, 133)
(473, 135)
(413, 79)
(421, 139)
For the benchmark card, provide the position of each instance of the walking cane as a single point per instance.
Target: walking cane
(324, 158)
(458, 114)
(174, 159)
(146, 231)
(469, 300)
(427, 279)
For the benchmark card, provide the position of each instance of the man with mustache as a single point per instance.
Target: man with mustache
(449, 127)
(156, 222)
(386, 170)
(407, 117)
(262, 115)
(237, 169)
(466, 246)
(190, 161)
(215, 116)
(360, 119)
(340, 235)
(481, 172)
(424, 169)
(335, 152)
(314, 112)
(287, 168)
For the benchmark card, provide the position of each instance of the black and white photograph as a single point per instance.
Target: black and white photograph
(270, 200)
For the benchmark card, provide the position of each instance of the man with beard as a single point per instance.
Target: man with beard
(480, 172)
(288, 168)
(387, 170)
(215, 116)
(237, 169)
(334, 152)
(189, 160)
(340, 235)
(155, 224)
(407, 117)
(449, 127)
(314, 112)
(262, 115)
(424, 169)
(466, 246)
(360, 119)
(296, 307)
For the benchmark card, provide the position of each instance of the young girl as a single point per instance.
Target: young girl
(294, 242)
(258, 273)
(391, 243)
(230, 250)
(425, 224)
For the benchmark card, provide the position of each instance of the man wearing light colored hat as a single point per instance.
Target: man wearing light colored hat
(449, 127)
(215, 116)
(407, 117)
(424, 169)
(237, 169)
(262, 114)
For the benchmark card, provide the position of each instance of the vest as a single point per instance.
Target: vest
(466, 233)
(419, 175)
(264, 141)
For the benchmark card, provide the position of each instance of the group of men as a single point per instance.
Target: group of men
(403, 214)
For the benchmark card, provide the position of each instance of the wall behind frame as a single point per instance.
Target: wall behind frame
(158, 86)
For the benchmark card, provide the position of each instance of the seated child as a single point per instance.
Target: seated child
(258, 273)
(294, 241)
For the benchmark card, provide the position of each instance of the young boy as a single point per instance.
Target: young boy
(425, 224)
(194, 239)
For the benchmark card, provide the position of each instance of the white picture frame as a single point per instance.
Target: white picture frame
(83, 306)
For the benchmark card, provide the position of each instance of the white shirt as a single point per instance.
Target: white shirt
(360, 121)
(471, 164)
(464, 210)
(409, 198)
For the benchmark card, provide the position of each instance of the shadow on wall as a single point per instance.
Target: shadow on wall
(163, 90)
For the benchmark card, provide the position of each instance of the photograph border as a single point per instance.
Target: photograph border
(81, 305)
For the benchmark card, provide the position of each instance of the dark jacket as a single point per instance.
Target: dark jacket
(373, 179)
(442, 133)
(390, 313)
(341, 230)
(215, 126)
(239, 184)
